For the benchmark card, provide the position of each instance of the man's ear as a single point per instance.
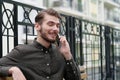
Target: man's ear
(37, 26)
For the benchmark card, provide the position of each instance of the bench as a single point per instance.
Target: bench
(6, 78)
(82, 70)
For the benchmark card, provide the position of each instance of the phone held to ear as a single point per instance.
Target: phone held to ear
(57, 42)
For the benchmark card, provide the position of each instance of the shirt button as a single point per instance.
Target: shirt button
(74, 72)
(48, 77)
(48, 64)
(46, 51)
(67, 63)
(70, 62)
(41, 49)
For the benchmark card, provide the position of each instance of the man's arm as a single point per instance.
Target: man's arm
(71, 70)
(15, 73)
(8, 65)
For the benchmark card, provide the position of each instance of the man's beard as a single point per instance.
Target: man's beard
(45, 37)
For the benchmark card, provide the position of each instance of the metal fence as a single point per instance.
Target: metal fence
(93, 45)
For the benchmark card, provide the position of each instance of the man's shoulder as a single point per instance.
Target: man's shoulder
(24, 47)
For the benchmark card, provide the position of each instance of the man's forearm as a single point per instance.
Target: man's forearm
(4, 71)
(72, 71)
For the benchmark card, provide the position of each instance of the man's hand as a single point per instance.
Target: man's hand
(16, 73)
(65, 48)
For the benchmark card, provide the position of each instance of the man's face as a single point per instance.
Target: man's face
(49, 28)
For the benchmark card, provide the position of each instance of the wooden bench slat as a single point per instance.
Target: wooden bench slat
(83, 73)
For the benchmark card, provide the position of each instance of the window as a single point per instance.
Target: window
(93, 8)
(80, 5)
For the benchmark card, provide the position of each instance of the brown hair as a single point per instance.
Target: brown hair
(39, 18)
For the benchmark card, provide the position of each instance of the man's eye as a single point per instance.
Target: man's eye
(50, 23)
(53, 24)
(58, 25)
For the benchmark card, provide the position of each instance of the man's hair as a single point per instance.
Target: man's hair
(39, 18)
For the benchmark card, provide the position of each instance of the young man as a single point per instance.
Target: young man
(42, 60)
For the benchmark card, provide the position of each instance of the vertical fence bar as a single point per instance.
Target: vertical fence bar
(1, 28)
(81, 45)
(107, 52)
(70, 24)
(101, 50)
(67, 28)
(72, 36)
(112, 55)
(15, 23)
(26, 37)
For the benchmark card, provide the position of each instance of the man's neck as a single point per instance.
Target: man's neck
(43, 42)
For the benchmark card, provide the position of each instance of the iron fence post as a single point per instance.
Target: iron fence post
(112, 56)
(101, 50)
(15, 21)
(70, 24)
(72, 35)
(1, 28)
(107, 52)
(81, 45)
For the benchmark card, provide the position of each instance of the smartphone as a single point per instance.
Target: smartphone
(57, 40)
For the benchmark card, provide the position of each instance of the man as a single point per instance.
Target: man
(42, 60)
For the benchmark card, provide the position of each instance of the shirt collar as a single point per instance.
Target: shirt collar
(41, 47)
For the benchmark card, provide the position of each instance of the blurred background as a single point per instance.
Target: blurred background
(102, 11)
